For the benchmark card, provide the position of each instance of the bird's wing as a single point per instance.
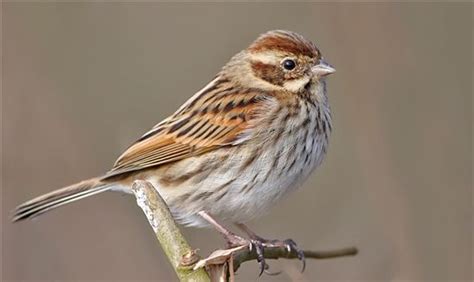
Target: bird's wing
(217, 116)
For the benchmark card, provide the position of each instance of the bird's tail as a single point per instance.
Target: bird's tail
(59, 197)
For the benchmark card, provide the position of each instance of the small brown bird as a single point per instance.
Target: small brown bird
(251, 135)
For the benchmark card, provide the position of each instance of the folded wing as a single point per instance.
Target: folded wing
(217, 116)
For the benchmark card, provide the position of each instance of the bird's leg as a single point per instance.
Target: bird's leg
(289, 244)
(234, 240)
(231, 238)
(250, 233)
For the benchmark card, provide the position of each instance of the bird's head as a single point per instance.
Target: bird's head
(287, 60)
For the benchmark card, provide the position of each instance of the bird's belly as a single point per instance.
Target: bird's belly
(274, 175)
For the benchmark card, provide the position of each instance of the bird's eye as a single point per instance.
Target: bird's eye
(288, 64)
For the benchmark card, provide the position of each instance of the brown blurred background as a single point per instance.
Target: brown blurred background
(83, 81)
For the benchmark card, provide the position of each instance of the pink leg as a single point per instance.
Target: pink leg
(232, 239)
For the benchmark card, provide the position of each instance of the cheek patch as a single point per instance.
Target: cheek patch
(270, 73)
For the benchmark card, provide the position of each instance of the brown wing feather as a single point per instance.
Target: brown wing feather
(215, 118)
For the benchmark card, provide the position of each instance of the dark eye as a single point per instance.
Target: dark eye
(289, 64)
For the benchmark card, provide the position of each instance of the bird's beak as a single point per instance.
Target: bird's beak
(323, 68)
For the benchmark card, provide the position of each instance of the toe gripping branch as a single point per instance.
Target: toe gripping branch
(221, 263)
(257, 248)
(230, 259)
(260, 245)
(284, 249)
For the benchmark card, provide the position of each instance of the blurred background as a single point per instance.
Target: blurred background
(83, 81)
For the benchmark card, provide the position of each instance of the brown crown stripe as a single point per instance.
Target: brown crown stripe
(287, 42)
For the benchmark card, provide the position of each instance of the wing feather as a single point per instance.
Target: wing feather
(216, 116)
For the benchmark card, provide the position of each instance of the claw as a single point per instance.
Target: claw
(235, 240)
(258, 245)
(291, 245)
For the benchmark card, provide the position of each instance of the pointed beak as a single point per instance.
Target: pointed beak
(323, 68)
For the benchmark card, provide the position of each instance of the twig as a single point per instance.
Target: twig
(242, 254)
(172, 241)
(274, 252)
(186, 263)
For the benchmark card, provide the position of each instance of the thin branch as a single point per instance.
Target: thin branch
(242, 254)
(216, 267)
(276, 252)
(178, 251)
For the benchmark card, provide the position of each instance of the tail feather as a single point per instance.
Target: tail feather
(60, 197)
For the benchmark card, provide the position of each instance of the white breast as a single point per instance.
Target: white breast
(280, 168)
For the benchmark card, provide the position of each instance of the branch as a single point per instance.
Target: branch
(274, 252)
(221, 264)
(176, 248)
(242, 254)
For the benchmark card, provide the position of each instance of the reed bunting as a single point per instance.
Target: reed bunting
(251, 135)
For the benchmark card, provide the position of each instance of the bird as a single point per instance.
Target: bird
(254, 133)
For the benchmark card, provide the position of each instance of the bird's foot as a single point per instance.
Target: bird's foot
(291, 246)
(234, 240)
(259, 244)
